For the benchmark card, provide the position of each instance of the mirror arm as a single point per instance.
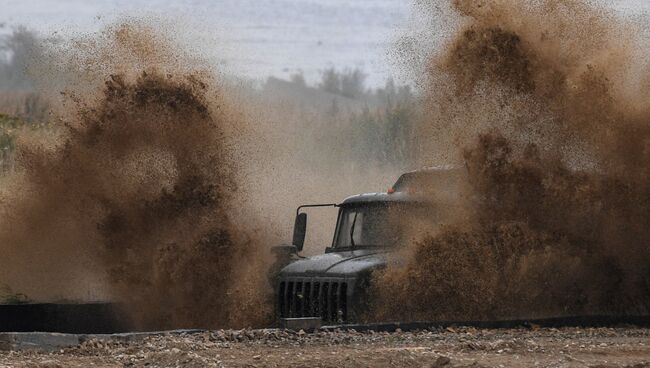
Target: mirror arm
(300, 226)
(315, 205)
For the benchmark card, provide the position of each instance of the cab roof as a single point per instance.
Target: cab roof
(379, 198)
(411, 186)
(429, 177)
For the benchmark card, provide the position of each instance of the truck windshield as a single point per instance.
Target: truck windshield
(368, 226)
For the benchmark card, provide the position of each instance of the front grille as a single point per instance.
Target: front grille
(309, 298)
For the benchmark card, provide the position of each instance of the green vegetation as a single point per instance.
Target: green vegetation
(386, 134)
(7, 296)
(17, 95)
(8, 128)
(16, 49)
(380, 131)
(362, 125)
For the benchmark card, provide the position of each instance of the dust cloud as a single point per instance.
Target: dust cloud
(134, 199)
(545, 105)
(163, 187)
(162, 184)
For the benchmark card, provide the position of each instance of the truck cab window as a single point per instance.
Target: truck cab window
(367, 226)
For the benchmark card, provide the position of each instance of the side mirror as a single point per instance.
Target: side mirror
(299, 231)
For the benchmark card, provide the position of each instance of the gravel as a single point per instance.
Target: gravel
(450, 347)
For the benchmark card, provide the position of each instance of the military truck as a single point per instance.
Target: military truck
(332, 288)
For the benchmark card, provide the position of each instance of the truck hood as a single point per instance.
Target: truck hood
(339, 263)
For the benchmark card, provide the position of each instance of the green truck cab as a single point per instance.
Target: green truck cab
(331, 288)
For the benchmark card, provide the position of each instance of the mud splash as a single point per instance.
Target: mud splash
(134, 200)
(546, 107)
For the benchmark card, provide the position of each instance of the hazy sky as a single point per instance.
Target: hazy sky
(253, 38)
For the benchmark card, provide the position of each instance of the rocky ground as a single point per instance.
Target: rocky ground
(451, 347)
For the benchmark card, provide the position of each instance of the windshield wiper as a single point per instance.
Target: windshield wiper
(354, 222)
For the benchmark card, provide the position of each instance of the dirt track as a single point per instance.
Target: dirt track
(463, 347)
